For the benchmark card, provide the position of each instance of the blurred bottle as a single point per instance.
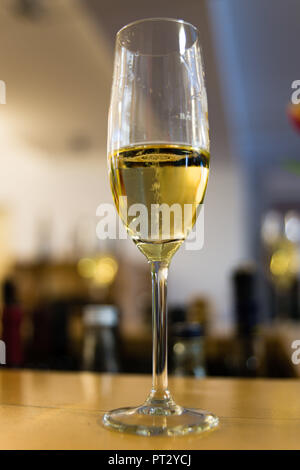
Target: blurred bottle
(280, 233)
(247, 319)
(176, 314)
(188, 349)
(199, 312)
(39, 351)
(100, 346)
(11, 325)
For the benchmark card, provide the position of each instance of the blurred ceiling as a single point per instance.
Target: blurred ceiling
(57, 70)
(56, 60)
(112, 15)
(255, 42)
(257, 46)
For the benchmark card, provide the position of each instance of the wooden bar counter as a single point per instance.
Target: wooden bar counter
(53, 410)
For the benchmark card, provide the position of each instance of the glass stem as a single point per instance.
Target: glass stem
(159, 273)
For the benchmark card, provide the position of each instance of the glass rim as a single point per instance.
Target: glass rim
(143, 20)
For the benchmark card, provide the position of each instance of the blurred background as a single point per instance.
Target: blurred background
(72, 302)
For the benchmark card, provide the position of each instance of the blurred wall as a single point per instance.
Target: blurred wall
(60, 91)
(208, 271)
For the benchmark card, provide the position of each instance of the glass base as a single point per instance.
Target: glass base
(160, 417)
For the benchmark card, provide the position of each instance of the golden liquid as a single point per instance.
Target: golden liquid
(159, 174)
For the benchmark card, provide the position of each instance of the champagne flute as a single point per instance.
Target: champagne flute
(158, 157)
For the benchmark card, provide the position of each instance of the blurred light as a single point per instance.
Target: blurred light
(284, 262)
(271, 227)
(179, 348)
(100, 315)
(102, 270)
(86, 267)
(292, 226)
(105, 270)
(279, 263)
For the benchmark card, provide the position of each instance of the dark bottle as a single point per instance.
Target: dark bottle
(101, 345)
(247, 319)
(11, 325)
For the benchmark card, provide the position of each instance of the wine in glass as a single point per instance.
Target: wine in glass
(158, 157)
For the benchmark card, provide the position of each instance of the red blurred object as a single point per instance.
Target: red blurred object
(293, 112)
